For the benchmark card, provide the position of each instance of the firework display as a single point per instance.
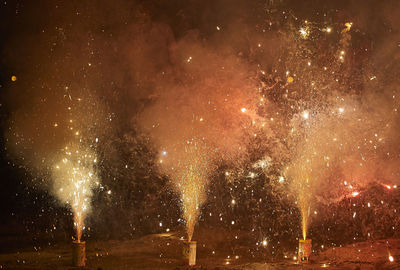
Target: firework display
(250, 132)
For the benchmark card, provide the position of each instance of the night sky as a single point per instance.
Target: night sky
(273, 118)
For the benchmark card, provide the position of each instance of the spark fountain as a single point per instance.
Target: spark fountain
(188, 168)
(75, 178)
(304, 206)
(300, 172)
(62, 133)
(193, 175)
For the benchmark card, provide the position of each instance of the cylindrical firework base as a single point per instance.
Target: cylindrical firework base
(189, 252)
(305, 248)
(78, 253)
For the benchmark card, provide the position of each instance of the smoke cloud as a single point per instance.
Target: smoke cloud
(234, 85)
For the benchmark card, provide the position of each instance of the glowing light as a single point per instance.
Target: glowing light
(303, 32)
(348, 25)
(13, 78)
(233, 201)
(290, 79)
(264, 243)
(328, 29)
(305, 114)
(243, 110)
(281, 179)
(355, 194)
(341, 110)
(391, 259)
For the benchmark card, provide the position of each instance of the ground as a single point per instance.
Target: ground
(163, 251)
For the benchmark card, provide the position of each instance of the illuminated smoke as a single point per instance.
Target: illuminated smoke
(59, 145)
(319, 104)
(197, 117)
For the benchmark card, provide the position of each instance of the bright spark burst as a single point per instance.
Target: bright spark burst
(304, 32)
(74, 178)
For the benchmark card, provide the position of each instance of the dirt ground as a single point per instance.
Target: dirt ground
(163, 251)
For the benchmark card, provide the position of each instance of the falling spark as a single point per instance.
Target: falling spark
(304, 32)
(264, 242)
(348, 25)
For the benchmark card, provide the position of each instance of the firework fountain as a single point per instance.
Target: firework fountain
(74, 178)
(190, 185)
(68, 156)
(190, 176)
(303, 113)
(198, 122)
